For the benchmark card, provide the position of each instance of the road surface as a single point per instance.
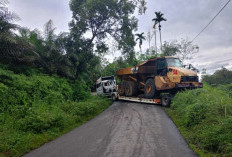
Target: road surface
(123, 130)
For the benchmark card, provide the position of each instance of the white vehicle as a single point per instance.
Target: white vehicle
(106, 85)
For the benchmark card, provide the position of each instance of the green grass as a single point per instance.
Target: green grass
(37, 108)
(204, 117)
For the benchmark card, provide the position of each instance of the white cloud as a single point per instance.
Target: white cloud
(214, 58)
(34, 14)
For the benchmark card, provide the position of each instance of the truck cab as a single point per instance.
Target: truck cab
(171, 71)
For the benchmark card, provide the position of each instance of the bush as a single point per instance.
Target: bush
(42, 118)
(204, 117)
(227, 88)
(37, 108)
(195, 114)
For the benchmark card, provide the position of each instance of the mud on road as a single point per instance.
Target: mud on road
(124, 130)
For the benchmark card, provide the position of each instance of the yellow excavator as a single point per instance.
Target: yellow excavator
(160, 77)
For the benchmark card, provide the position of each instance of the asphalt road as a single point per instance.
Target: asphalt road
(124, 130)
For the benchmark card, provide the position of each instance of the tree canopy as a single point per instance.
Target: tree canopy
(183, 49)
(222, 76)
(95, 20)
(140, 37)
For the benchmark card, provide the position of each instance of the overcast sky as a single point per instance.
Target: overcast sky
(185, 18)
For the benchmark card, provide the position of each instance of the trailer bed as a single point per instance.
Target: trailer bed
(116, 96)
(141, 100)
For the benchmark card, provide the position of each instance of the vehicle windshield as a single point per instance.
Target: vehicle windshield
(173, 62)
(108, 83)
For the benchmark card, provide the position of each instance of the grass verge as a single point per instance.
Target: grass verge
(46, 123)
(204, 118)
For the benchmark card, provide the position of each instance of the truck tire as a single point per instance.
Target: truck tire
(130, 88)
(166, 100)
(149, 89)
(121, 88)
(135, 88)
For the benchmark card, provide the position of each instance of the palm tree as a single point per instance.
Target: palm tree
(140, 37)
(158, 19)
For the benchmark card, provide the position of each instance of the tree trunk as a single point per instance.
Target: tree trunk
(155, 43)
(160, 38)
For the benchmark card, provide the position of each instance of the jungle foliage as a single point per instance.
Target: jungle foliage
(37, 108)
(220, 77)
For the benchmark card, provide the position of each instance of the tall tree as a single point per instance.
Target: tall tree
(154, 26)
(186, 50)
(149, 38)
(183, 49)
(95, 20)
(159, 18)
(49, 32)
(170, 48)
(13, 49)
(6, 19)
(142, 6)
(140, 37)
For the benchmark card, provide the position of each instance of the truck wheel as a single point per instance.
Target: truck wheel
(130, 88)
(149, 89)
(121, 88)
(166, 100)
(135, 88)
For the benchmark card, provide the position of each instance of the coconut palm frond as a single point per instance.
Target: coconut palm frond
(140, 37)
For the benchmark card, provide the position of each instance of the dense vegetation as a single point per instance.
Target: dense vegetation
(221, 78)
(204, 116)
(37, 108)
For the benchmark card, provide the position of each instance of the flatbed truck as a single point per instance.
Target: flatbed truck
(157, 80)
